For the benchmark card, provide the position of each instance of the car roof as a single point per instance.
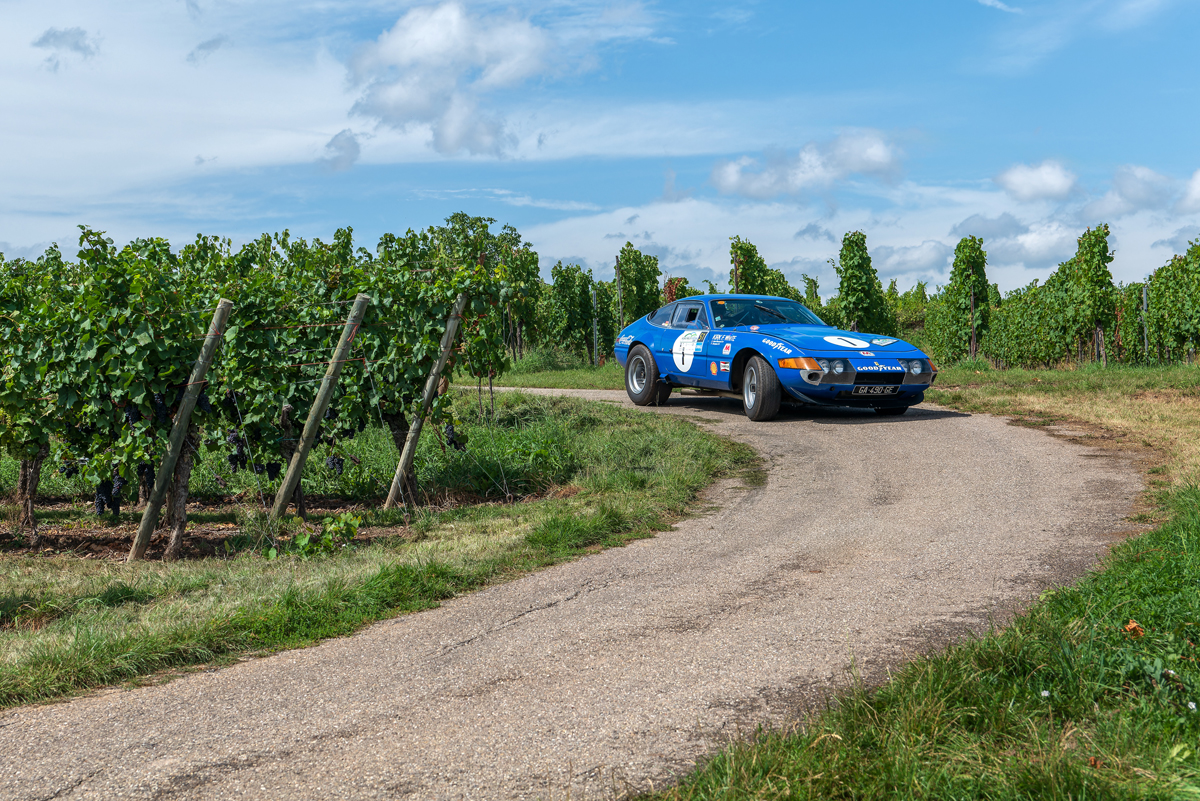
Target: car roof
(697, 298)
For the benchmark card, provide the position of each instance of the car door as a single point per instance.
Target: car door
(683, 355)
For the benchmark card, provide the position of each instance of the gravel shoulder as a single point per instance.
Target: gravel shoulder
(872, 539)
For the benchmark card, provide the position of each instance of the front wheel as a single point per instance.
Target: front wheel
(641, 377)
(761, 392)
(892, 411)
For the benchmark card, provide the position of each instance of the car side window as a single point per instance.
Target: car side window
(662, 316)
(689, 315)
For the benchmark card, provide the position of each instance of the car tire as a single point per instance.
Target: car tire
(892, 411)
(761, 392)
(664, 393)
(641, 377)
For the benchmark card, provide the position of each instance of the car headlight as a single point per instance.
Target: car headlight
(917, 366)
(824, 363)
(839, 367)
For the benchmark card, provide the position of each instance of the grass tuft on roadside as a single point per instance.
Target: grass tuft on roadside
(68, 624)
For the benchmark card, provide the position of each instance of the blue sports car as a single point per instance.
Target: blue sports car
(767, 351)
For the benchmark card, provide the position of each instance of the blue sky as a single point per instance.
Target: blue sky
(586, 124)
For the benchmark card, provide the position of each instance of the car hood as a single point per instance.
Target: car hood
(826, 339)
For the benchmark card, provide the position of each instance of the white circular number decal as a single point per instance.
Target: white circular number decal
(846, 342)
(684, 350)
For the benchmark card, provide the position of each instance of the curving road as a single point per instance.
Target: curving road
(872, 538)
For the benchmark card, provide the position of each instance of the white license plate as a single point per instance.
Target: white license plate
(872, 390)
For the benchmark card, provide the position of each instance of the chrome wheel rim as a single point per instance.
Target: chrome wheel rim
(750, 393)
(637, 375)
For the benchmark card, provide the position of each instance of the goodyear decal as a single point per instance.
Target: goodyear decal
(779, 346)
(879, 368)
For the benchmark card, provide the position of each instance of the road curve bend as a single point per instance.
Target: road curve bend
(873, 538)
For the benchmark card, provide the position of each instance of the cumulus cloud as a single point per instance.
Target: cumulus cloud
(814, 232)
(816, 166)
(1134, 188)
(342, 151)
(1049, 180)
(930, 257)
(206, 49)
(1181, 240)
(63, 41)
(1042, 244)
(1001, 6)
(436, 63)
(1190, 202)
(1003, 226)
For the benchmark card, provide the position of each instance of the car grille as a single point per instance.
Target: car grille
(879, 379)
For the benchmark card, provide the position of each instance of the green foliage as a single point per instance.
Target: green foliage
(962, 312)
(639, 283)
(753, 275)
(565, 309)
(1174, 299)
(861, 304)
(676, 288)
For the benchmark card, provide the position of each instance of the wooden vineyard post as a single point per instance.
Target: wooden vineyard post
(595, 332)
(325, 394)
(179, 431)
(1145, 323)
(620, 300)
(414, 433)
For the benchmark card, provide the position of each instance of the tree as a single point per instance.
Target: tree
(751, 275)
(861, 302)
(565, 309)
(676, 288)
(1085, 286)
(960, 320)
(638, 277)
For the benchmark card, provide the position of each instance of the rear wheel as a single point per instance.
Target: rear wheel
(641, 377)
(892, 411)
(761, 392)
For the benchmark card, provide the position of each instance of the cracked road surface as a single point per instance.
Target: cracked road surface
(873, 538)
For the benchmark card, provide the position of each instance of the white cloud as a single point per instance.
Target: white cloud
(1001, 6)
(816, 166)
(929, 258)
(434, 65)
(64, 41)
(1190, 202)
(206, 49)
(341, 151)
(1134, 188)
(1180, 240)
(1003, 226)
(1049, 180)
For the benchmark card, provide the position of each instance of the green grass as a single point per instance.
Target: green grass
(1092, 693)
(68, 624)
(555, 370)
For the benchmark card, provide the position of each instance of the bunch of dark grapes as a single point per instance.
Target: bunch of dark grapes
(132, 415)
(335, 463)
(103, 496)
(114, 500)
(160, 409)
(331, 413)
(69, 469)
(456, 440)
(145, 472)
(203, 403)
(237, 459)
(273, 470)
(179, 396)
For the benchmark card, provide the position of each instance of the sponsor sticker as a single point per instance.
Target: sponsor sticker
(779, 346)
(883, 341)
(866, 353)
(683, 352)
(728, 347)
(846, 342)
(712, 368)
(754, 328)
(878, 368)
(625, 340)
(724, 367)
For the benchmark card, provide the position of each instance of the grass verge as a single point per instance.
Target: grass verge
(556, 370)
(68, 624)
(1092, 693)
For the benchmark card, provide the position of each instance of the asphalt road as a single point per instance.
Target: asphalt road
(873, 538)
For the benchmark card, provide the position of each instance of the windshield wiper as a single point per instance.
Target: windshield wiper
(769, 310)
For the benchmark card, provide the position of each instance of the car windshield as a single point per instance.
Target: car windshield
(760, 311)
